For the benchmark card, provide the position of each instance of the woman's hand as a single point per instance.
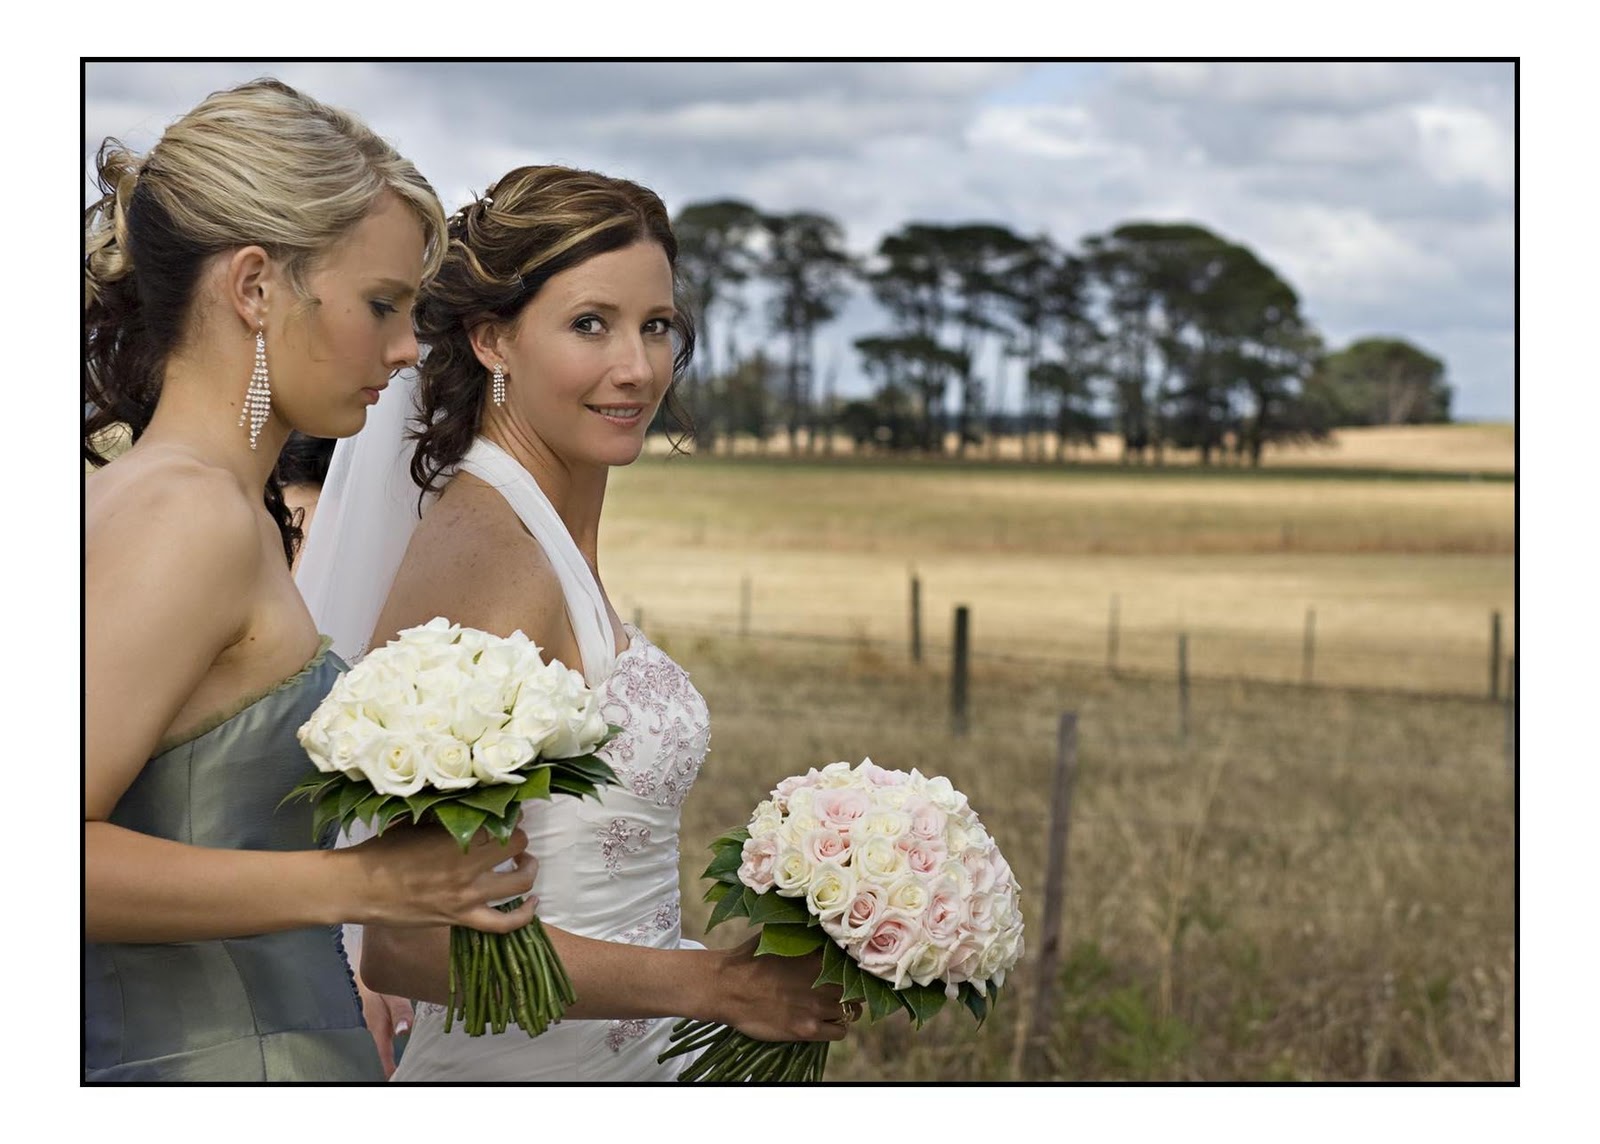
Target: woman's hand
(418, 876)
(771, 998)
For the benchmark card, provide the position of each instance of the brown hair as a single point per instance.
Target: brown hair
(257, 164)
(530, 225)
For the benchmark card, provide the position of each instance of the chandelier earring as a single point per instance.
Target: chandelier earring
(498, 393)
(258, 395)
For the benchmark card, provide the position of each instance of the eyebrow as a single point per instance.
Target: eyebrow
(395, 286)
(665, 310)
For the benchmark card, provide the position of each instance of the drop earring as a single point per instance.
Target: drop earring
(258, 396)
(498, 393)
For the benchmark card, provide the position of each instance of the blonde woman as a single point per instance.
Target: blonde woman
(253, 274)
(553, 338)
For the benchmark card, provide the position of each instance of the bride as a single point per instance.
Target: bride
(552, 338)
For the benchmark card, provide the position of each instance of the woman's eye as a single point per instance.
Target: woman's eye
(589, 324)
(382, 309)
(660, 327)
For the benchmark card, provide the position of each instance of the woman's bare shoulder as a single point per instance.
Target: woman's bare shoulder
(472, 561)
(169, 505)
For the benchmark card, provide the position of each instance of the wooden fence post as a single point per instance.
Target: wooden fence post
(1309, 655)
(1030, 1053)
(1511, 717)
(916, 618)
(1183, 686)
(744, 607)
(958, 675)
(1494, 654)
(1113, 626)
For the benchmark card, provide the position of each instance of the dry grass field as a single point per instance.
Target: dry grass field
(1402, 573)
(1317, 884)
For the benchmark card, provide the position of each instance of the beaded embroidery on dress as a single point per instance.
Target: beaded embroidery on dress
(607, 870)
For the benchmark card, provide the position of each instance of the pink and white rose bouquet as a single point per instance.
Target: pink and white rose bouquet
(892, 876)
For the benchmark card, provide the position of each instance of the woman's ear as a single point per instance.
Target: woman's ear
(488, 343)
(249, 280)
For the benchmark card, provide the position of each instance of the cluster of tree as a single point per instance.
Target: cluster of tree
(1166, 334)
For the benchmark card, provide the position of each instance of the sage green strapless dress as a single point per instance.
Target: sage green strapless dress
(272, 1007)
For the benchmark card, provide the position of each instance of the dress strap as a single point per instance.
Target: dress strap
(586, 607)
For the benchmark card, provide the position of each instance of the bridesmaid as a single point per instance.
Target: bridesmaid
(252, 275)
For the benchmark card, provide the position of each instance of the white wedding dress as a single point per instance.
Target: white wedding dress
(607, 870)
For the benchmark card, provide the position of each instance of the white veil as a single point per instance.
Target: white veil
(364, 519)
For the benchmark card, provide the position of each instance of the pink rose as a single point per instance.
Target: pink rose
(840, 808)
(1001, 868)
(759, 857)
(791, 784)
(942, 919)
(889, 939)
(977, 864)
(821, 844)
(866, 907)
(880, 776)
(927, 820)
(924, 857)
(980, 913)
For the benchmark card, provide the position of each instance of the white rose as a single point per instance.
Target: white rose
(497, 756)
(831, 889)
(890, 824)
(765, 819)
(835, 775)
(944, 796)
(447, 762)
(354, 747)
(475, 640)
(791, 873)
(878, 858)
(909, 894)
(396, 767)
(477, 708)
(922, 962)
(435, 633)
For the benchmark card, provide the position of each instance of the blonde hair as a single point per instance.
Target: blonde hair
(259, 164)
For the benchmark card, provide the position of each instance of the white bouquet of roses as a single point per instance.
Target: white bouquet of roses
(892, 876)
(456, 726)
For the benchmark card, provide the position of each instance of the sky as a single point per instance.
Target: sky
(1382, 191)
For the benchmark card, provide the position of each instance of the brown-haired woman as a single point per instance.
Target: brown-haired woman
(552, 338)
(251, 275)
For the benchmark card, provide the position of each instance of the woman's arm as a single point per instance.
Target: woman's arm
(769, 998)
(171, 568)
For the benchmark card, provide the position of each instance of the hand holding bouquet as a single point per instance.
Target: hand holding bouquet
(456, 726)
(892, 876)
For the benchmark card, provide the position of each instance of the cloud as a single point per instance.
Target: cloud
(1382, 191)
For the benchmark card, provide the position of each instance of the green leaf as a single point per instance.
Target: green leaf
(923, 1002)
(351, 795)
(881, 999)
(461, 821)
(596, 770)
(978, 1005)
(580, 788)
(387, 813)
(491, 797)
(322, 814)
(854, 990)
(717, 891)
(536, 785)
(313, 787)
(500, 826)
(736, 838)
(732, 905)
(789, 940)
(727, 861)
(424, 800)
(833, 962)
(367, 807)
(774, 907)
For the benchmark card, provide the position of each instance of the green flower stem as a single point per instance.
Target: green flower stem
(713, 1057)
(497, 975)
